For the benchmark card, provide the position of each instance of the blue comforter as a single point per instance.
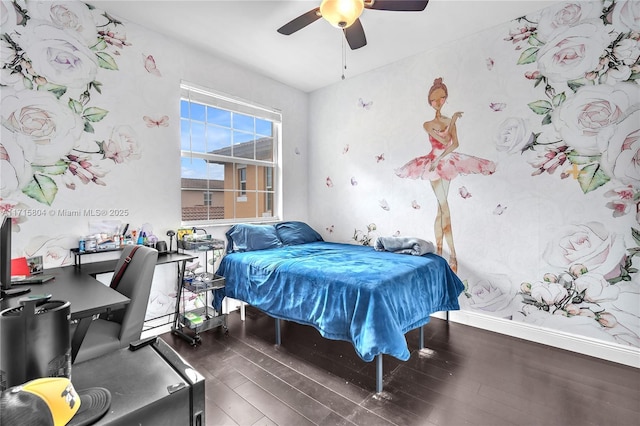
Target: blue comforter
(347, 292)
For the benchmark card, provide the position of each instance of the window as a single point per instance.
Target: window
(228, 158)
(207, 198)
(242, 181)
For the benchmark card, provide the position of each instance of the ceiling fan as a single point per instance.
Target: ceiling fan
(345, 14)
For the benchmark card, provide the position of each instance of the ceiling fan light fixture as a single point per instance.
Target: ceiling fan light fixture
(341, 13)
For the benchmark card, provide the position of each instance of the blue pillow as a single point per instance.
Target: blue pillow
(247, 237)
(291, 233)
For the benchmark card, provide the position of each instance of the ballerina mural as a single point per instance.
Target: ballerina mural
(442, 164)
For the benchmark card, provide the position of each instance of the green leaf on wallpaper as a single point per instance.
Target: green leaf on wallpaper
(541, 107)
(528, 56)
(636, 235)
(592, 177)
(580, 159)
(534, 41)
(88, 127)
(96, 85)
(575, 84)
(100, 45)
(56, 89)
(75, 106)
(94, 114)
(106, 61)
(42, 189)
(546, 120)
(55, 169)
(559, 99)
(28, 84)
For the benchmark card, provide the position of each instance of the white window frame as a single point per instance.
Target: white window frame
(201, 95)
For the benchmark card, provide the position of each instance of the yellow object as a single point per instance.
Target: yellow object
(59, 394)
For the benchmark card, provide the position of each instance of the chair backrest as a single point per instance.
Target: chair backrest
(136, 285)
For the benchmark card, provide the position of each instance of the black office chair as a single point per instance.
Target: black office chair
(107, 334)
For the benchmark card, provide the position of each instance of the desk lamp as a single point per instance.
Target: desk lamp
(170, 234)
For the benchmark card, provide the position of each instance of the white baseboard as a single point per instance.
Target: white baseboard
(626, 355)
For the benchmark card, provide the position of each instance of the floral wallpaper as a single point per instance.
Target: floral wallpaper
(89, 141)
(52, 53)
(64, 135)
(584, 59)
(550, 237)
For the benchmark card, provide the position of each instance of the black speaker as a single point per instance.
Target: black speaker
(34, 341)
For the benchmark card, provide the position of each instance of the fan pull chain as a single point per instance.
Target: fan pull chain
(344, 56)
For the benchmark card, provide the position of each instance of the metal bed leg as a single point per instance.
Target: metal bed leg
(421, 337)
(278, 336)
(378, 373)
(447, 317)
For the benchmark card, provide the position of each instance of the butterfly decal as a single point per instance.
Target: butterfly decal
(152, 122)
(150, 65)
(329, 182)
(415, 205)
(464, 193)
(497, 106)
(490, 63)
(329, 229)
(365, 105)
(499, 209)
(384, 205)
(345, 149)
(380, 158)
(354, 182)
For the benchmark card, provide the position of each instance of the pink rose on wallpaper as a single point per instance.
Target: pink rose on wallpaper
(40, 119)
(626, 15)
(122, 146)
(559, 17)
(548, 293)
(493, 294)
(590, 245)
(596, 288)
(573, 53)
(58, 56)
(627, 51)
(75, 17)
(15, 163)
(621, 151)
(513, 135)
(587, 120)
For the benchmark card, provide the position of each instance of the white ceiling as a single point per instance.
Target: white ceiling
(244, 32)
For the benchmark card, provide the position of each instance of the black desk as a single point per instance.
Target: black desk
(107, 266)
(150, 386)
(87, 295)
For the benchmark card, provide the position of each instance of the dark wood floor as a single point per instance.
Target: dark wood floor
(466, 376)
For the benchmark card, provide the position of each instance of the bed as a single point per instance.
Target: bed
(347, 292)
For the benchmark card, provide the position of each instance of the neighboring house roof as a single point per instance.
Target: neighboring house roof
(263, 148)
(203, 184)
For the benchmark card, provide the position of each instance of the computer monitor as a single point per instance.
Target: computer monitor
(5, 253)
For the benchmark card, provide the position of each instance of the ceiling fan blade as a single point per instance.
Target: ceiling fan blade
(355, 35)
(300, 22)
(397, 5)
